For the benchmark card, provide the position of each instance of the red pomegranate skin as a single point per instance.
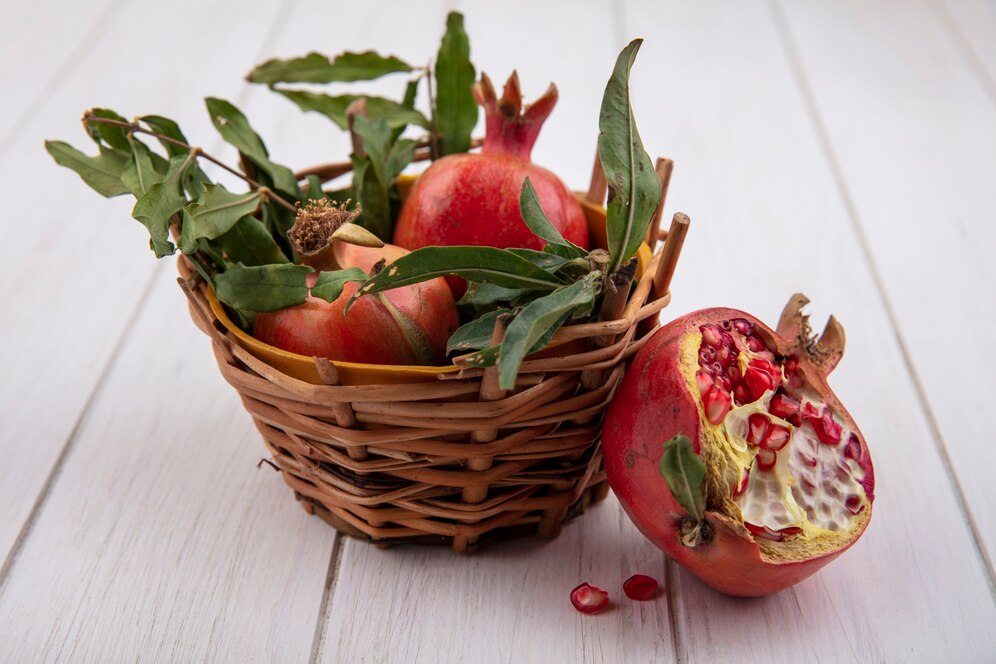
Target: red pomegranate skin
(652, 405)
(473, 199)
(370, 333)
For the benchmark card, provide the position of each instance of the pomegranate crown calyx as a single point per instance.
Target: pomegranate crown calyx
(510, 128)
(824, 350)
(319, 225)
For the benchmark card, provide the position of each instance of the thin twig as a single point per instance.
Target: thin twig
(272, 195)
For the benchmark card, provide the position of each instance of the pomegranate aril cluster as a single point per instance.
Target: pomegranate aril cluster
(736, 368)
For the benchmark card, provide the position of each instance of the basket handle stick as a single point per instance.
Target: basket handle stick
(598, 186)
(489, 392)
(343, 412)
(669, 255)
(664, 167)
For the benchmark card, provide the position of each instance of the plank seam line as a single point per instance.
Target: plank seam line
(964, 46)
(8, 563)
(823, 136)
(68, 65)
(325, 608)
(677, 642)
(53, 474)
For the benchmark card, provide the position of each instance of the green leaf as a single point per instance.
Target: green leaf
(166, 127)
(487, 264)
(318, 68)
(634, 188)
(537, 319)
(396, 115)
(481, 295)
(217, 211)
(541, 259)
(160, 202)
(374, 173)
(264, 287)
(110, 135)
(234, 128)
(456, 110)
(250, 243)
(684, 473)
(315, 192)
(540, 224)
(102, 172)
(330, 283)
(144, 168)
(476, 334)
(411, 93)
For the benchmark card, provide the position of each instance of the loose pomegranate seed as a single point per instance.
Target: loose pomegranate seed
(711, 335)
(783, 406)
(716, 403)
(757, 427)
(853, 448)
(766, 459)
(743, 326)
(640, 587)
(587, 598)
(755, 345)
(776, 438)
(703, 380)
(742, 486)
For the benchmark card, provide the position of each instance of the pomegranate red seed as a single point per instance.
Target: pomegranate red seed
(728, 341)
(827, 430)
(791, 364)
(724, 356)
(853, 448)
(757, 383)
(711, 335)
(726, 325)
(810, 412)
(766, 459)
(783, 406)
(716, 403)
(727, 385)
(854, 505)
(757, 427)
(640, 587)
(743, 326)
(776, 535)
(703, 380)
(755, 345)
(717, 367)
(587, 598)
(742, 486)
(707, 354)
(776, 438)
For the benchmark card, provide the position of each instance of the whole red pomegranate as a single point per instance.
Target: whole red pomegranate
(788, 481)
(408, 325)
(473, 199)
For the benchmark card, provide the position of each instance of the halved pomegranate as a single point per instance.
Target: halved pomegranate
(785, 483)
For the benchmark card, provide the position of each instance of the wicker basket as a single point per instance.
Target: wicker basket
(442, 455)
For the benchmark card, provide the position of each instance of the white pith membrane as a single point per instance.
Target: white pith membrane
(802, 495)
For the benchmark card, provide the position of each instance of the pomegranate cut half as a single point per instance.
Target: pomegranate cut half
(743, 466)
(587, 598)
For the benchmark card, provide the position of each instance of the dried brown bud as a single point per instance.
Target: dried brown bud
(316, 222)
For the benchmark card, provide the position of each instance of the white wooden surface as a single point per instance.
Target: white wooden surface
(839, 148)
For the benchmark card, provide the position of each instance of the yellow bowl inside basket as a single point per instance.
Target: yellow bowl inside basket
(353, 373)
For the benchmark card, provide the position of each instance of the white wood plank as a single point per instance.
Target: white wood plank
(507, 603)
(161, 541)
(972, 24)
(74, 264)
(714, 85)
(916, 156)
(511, 602)
(41, 42)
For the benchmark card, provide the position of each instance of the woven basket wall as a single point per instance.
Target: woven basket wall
(452, 460)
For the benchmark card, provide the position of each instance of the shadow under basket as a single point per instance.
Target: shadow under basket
(441, 455)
